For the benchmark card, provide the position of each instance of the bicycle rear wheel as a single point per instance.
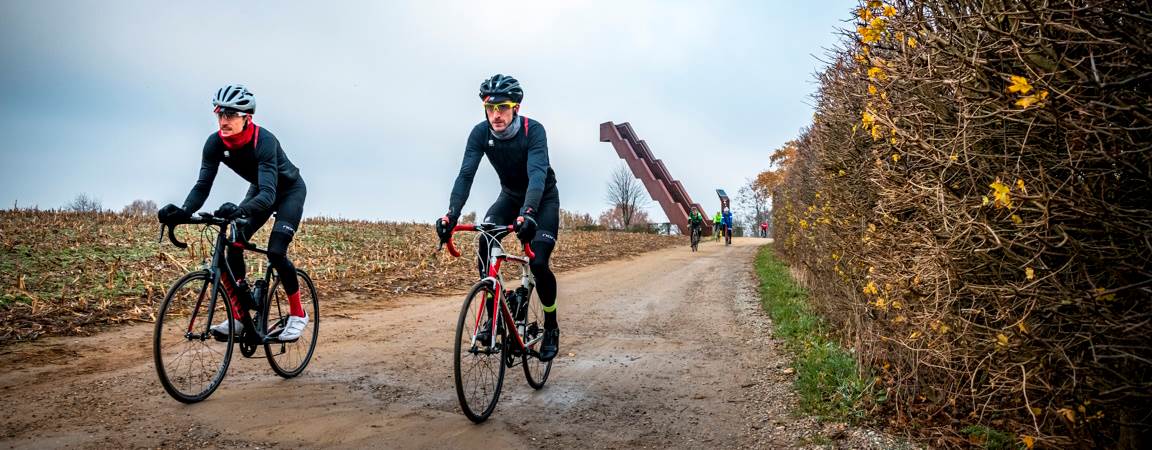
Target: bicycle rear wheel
(478, 367)
(535, 371)
(288, 359)
(189, 360)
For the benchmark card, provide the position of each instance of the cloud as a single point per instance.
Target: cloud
(373, 100)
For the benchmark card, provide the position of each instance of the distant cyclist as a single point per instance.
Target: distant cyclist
(727, 224)
(517, 147)
(275, 186)
(717, 224)
(695, 223)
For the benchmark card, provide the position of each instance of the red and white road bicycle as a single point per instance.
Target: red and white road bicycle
(498, 327)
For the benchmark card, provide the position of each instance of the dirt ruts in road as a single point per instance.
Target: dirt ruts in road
(667, 349)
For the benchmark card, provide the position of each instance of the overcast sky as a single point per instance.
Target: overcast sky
(374, 100)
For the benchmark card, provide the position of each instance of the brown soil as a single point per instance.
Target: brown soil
(669, 349)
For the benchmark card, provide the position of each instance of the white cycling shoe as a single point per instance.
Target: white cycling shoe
(221, 329)
(294, 328)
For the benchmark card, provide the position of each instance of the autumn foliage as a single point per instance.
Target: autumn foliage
(64, 273)
(971, 208)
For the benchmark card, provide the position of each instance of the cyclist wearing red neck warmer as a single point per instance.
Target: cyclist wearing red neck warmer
(276, 187)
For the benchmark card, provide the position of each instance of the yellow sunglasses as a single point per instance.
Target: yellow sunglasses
(501, 107)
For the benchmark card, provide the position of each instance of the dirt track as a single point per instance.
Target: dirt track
(668, 349)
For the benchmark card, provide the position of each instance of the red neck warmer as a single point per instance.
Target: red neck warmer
(240, 139)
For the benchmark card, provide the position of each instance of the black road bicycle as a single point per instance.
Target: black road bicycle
(190, 358)
(695, 238)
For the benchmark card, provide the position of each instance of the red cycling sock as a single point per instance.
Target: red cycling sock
(294, 306)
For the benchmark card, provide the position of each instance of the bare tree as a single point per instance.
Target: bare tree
(570, 220)
(468, 218)
(140, 208)
(626, 194)
(84, 203)
(613, 219)
(753, 201)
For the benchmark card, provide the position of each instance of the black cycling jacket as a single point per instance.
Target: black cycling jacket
(261, 162)
(521, 163)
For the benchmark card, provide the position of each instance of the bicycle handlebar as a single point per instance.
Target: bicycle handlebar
(202, 218)
(483, 227)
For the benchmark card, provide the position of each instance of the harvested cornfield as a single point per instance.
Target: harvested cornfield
(64, 273)
(972, 207)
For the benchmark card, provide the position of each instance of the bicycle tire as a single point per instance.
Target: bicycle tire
(531, 359)
(484, 395)
(279, 354)
(165, 366)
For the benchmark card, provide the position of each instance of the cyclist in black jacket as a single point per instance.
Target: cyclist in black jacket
(276, 186)
(517, 147)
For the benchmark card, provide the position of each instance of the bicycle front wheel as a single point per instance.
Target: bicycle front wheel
(479, 363)
(535, 370)
(189, 360)
(288, 359)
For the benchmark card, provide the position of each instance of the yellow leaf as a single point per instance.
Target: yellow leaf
(870, 288)
(985, 200)
(842, 172)
(875, 132)
(874, 3)
(1030, 100)
(1023, 328)
(1068, 414)
(1000, 194)
(872, 89)
(872, 228)
(894, 157)
(897, 304)
(1019, 84)
(914, 335)
(1028, 441)
(1002, 340)
(867, 118)
(911, 42)
(1020, 184)
(1029, 273)
(876, 73)
(953, 158)
(1017, 220)
(889, 10)
(899, 319)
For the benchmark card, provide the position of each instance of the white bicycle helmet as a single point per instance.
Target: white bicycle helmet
(235, 97)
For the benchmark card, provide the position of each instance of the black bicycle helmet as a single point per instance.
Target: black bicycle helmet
(501, 87)
(235, 97)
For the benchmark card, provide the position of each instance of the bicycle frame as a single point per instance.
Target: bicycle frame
(496, 259)
(219, 282)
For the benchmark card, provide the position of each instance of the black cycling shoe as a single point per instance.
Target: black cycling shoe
(484, 334)
(551, 344)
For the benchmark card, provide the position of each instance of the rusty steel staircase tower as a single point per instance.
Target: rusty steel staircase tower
(651, 171)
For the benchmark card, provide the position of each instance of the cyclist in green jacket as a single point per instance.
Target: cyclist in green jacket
(695, 223)
(717, 222)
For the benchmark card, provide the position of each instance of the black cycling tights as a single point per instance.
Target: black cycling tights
(277, 257)
(289, 208)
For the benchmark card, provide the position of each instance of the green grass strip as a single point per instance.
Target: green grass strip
(827, 376)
